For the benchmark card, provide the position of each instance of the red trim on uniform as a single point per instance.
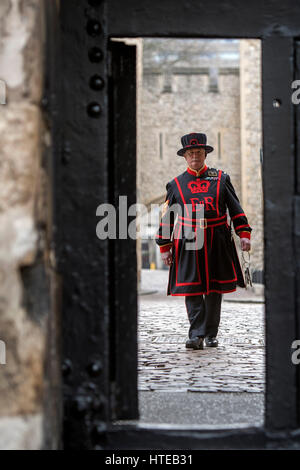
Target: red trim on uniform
(241, 226)
(218, 191)
(245, 235)
(197, 259)
(180, 191)
(160, 236)
(211, 236)
(216, 225)
(206, 259)
(176, 265)
(218, 218)
(165, 248)
(176, 251)
(238, 215)
(234, 271)
(209, 292)
(208, 219)
(198, 172)
(197, 224)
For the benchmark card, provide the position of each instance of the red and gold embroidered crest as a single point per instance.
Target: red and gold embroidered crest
(198, 186)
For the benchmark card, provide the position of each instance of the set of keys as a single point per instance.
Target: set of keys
(246, 269)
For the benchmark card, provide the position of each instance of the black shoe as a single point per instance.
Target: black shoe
(194, 343)
(211, 342)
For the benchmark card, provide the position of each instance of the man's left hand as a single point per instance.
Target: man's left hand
(245, 244)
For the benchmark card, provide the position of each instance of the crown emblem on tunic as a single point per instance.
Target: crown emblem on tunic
(198, 186)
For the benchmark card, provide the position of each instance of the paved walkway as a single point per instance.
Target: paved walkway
(202, 409)
(165, 365)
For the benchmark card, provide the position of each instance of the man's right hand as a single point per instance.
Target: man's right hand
(167, 257)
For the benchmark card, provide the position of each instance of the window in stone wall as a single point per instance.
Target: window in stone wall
(213, 80)
(167, 81)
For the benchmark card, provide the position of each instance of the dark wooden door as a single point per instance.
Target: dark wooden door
(94, 160)
(123, 260)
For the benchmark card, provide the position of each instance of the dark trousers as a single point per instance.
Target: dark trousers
(204, 314)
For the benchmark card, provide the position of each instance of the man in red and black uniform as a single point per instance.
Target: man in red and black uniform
(196, 206)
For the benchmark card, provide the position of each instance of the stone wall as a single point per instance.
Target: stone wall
(23, 212)
(251, 143)
(189, 107)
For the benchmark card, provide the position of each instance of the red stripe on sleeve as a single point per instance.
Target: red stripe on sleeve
(245, 235)
(165, 248)
(242, 226)
(238, 215)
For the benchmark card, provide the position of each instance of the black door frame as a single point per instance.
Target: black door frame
(82, 180)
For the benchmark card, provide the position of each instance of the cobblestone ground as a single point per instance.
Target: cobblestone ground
(164, 364)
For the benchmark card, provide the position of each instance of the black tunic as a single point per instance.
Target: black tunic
(196, 205)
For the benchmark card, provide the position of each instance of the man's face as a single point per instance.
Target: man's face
(195, 158)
